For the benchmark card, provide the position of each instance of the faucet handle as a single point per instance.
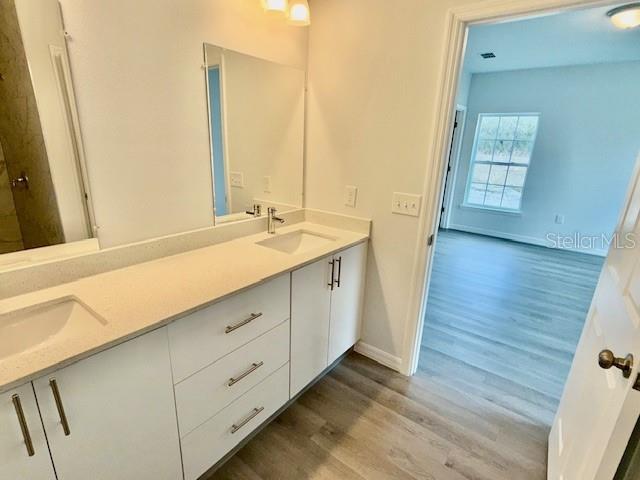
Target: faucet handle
(256, 212)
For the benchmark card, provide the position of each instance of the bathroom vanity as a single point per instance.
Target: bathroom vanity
(154, 310)
(159, 370)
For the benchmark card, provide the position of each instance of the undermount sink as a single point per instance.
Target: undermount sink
(297, 241)
(25, 329)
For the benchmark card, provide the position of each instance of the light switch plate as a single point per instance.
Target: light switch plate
(406, 204)
(266, 184)
(236, 179)
(350, 195)
(559, 219)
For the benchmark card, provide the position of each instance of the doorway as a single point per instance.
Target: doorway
(214, 85)
(512, 278)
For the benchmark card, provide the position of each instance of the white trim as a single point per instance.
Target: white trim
(225, 130)
(541, 242)
(495, 210)
(77, 136)
(456, 23)
(380, 356)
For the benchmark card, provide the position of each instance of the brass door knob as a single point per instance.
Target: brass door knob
(606, 360)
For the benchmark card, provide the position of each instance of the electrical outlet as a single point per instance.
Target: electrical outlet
(350, 194)
(559, 219)
(236, 179)
(406, 204)
(266, 184)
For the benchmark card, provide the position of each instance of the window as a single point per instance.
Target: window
(500, 160)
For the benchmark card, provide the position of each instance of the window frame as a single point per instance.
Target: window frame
(472, 162)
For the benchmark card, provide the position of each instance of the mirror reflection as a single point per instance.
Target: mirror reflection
(256, 124)
(43, 199)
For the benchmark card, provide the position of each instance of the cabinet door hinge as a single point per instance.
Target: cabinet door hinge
(430, 240)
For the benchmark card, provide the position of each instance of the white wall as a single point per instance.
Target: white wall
(373, 74)
(588, 141)
(143, 111)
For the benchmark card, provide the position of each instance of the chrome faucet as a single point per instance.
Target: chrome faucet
(257, 210)
(271, 217)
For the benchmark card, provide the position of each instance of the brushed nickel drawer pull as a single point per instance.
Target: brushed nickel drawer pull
(339, 260)
(251, 318)
(63, 416)
(333, 271)
(17, 404)
(254, 366)
(252, 415)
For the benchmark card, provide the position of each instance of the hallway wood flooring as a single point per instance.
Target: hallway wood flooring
(501, 327)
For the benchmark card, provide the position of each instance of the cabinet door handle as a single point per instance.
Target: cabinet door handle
(17, 404)
(333, 271)
(251, 318)
(237, 426)
(339, 260)
(254, 366)
(63, 416)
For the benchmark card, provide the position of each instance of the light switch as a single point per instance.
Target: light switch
(406, 204)
(350, 194)
(559, 219)
(266, 184)
(236, 179)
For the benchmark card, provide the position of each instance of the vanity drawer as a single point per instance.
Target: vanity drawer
(208, 443)
(205, 336)
(204, 394)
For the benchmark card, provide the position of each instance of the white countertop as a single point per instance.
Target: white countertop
(142, 297)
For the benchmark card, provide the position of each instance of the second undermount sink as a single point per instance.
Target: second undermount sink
(25, 329)
(298, 241)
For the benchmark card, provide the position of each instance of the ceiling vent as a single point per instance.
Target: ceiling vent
(488, 55)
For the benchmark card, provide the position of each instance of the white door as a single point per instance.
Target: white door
(23, 447)
(120, 413)
(346, 300)
(310, 302)
(599, 406)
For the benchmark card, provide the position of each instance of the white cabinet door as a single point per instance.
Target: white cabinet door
(310, 304)
(121, 414)
(17, 461)
(346, 300)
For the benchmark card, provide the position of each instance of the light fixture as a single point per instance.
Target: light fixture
(275, 5)
(625, 16)
(299, 13)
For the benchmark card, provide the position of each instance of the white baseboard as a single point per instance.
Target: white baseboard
(523, 239)
(380, 356)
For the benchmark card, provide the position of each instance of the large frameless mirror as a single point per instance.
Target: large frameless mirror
(256, 125)
(44, 200)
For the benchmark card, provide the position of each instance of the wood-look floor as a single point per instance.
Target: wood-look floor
(502, 323)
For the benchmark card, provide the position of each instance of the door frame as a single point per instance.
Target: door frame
(451, 169)
(456, 22)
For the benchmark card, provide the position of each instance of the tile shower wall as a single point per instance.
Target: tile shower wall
(10, 236)
(22, 141)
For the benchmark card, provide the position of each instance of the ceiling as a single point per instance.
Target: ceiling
(569, 38)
